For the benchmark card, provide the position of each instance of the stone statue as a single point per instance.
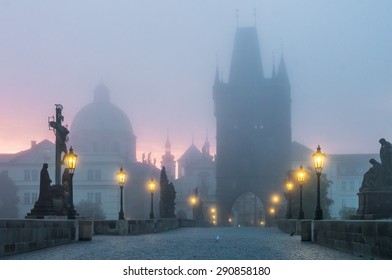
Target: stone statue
(375, 194)
(44, 183)
(372, 177)
(66, 178)
(386, 154)
(168, 195)
(61, 135)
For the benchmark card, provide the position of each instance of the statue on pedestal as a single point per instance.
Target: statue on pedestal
(375, 193)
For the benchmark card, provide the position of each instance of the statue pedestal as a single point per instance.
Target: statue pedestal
(374, 204)
(41, 209)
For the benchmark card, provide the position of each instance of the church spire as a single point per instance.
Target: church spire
(217, 80)
(167, 146)
(273, 67)
(282, 72)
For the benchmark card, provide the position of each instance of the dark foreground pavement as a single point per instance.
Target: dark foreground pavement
(192, 243)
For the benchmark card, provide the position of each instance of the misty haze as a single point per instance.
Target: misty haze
(197, 113)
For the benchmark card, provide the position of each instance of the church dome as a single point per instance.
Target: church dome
(102, 127)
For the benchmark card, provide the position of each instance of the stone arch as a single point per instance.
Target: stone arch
(248, 210)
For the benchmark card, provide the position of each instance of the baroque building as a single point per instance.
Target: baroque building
(102, 137)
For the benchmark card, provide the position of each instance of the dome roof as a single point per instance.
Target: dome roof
(102, 127)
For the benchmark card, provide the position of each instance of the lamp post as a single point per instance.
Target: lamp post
(151, 186)
(121, 181)
(213, 215)
(289, 187)
(275, 201)
(318, 159)
(301, 174)
(193, 201)
(273, 212)
(70, 163)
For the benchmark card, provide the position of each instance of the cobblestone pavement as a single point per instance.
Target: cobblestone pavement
(192, 243)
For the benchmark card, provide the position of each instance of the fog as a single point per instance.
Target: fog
(158, 58)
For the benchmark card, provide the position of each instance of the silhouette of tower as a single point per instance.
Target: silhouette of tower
(168, 162)
(253, 126)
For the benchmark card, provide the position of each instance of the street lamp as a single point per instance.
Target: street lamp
(275, 201)
(151, 186)
(193, 201)
(318, 159)
(289, 187)
(70, 163)
(213, 215)
(121, 181)
(301, 175)
(273, 212)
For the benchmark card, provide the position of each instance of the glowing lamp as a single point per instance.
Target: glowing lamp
(70, 161)
(121, 175)
(318, 159)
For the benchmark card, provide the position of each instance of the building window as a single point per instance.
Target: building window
(97, 175)
(343, 203)
(236, 124)
(34, 175)
(352, 186)
(26, 198)
(90, 197)
(34, 197)
(343, 186)
(27, 175)
(94, 175)
(90, 175)
(98, 198)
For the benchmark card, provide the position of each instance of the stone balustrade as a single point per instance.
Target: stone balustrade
(18, 236)
(371, 239)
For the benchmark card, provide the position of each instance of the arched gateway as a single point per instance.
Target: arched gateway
(248, 210)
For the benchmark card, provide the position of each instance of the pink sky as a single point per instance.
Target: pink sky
(159, 58)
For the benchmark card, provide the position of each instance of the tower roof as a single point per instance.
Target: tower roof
(246, 66)
(282, 76)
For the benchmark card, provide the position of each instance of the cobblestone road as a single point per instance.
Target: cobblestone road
(192, 243)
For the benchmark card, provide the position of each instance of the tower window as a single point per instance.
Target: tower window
(236, 125)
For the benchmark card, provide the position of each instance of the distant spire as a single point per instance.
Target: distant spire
(217, 81)
(282, 72)
(273, 66)
(167, 144)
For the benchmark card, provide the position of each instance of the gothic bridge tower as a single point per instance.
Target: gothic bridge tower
(253, 132)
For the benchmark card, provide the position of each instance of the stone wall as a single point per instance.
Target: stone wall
(371, 239)
(18, 236)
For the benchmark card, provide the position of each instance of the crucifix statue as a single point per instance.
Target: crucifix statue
(61, 133)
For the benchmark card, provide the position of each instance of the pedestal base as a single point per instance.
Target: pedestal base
(374, 204)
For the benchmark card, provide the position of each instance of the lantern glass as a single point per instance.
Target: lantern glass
(70, 161)
(301, 175)
(121, 175)
(318, 159)
(289, 186)
(151, 186)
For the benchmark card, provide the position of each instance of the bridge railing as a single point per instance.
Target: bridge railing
(369, 238)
